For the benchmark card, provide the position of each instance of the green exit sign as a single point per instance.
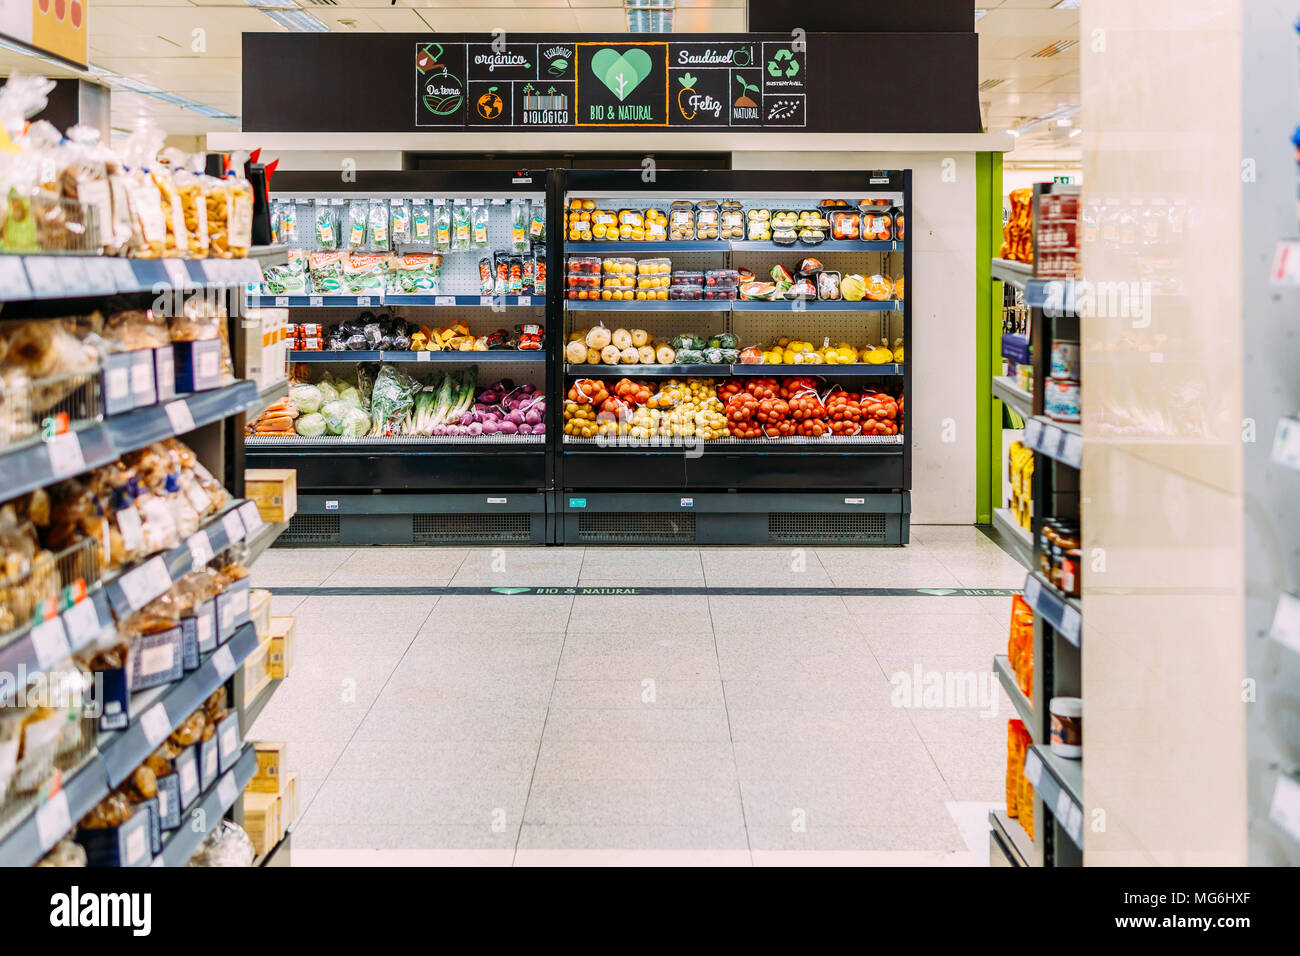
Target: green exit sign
(1065, 180)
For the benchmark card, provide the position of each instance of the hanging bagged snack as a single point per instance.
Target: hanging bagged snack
(399, 213)
(240, 215)
(364, 274)
(519, 220)
(326, 270)
(191, 186)
(416, 273)
(379, 225)
(460, 226)
(539, 269)
(486, 272)
(537, 220)
(219, 202)
(357, 211)
(421, 224)
(441, 216)
(288, 222)
(500, 272)
(176, 242)
(479, 226)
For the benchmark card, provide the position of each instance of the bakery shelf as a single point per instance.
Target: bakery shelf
(1058, 783)
(33, 465)
(815, 305)
(124, 750)
(1012, 272)
(1024, 707)
(1006, 389)
(620, 371)
(1013, 835)
(25, 278)
(32, 833)
(1016, 539)
(648, 305)
(208, 811)
(448, 357)
(36, 649)
(855, 370)
(250, 710)
(1064, 614)
(1060, 441)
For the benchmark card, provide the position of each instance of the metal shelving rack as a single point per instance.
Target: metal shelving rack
(1058, 618)
(211, 422)
(733, 491)
(422, 491)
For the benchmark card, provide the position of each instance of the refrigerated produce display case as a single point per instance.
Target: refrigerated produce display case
(417, 306)
(734, 353)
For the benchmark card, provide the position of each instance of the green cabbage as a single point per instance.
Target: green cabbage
(350, 397)
(306, 397)
(356, 424)
(311, 425)
(328, 392)
(333, 413)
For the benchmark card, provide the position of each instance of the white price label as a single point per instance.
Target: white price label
(142, 377)
(1063, 804)
(444, 300)
(50, 642)
(282, 302)
(498, 501)
(179, 414)
(498, 201)
(99, 275)
(53, 820)
(1070, 624)
(485, 300)
(132, 529)
(233, 525)
(1072, 449)
(1032, 589)
(13, 279)
(363, 301)
(422, 356)
(855, 501)
(200, 546)
(315, 301)
(141, 585)
(251, 517)
(230, 739)
(223, 661)
(155, 724)
(44, 275)
(189, 777)
(117, 382)
(81, 622)
(1033, 767)
(1285, 807)
(227, 790)
(1033, 432)
(525, 300)
(65, 455)
(137, 845)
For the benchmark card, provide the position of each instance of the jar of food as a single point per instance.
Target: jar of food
(1071, 557)
(1067, 726)
(1061, 400)
(1065, 359)
(1046, 533)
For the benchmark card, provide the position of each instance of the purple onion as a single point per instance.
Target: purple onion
(475, 428)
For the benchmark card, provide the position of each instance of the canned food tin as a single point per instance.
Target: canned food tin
(1065, 360)
(1061, 400)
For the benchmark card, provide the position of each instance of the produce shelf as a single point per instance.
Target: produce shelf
(1017, 540)
(445, 357)
(1013, 836)
(374, 300)
(1058, 783)
(32, 833)
(1012, 272)
(122, 751)
(816, 305)
(631, 247)
(855, 370)
(1006, 389)
(33, 465)
(639, 445)
(1064, 614)
(257, 300)
(208, 811)
(389, 442)
(620, 371)
(464, 301)
(1024, 707)
(830, 245)
(648, 305)
(1059, 441)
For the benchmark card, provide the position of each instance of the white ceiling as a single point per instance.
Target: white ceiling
(192, 48)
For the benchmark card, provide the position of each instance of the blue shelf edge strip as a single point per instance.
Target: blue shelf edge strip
(447, 356)
(257, 300)
(1063, 613)
(1055, 794)
(41, 276)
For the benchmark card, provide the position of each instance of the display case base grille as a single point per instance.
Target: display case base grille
(834, 528)
(310, 529)
(635, 527)
(460, 528)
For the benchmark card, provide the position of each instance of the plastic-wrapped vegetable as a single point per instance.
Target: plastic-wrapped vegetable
(690, 357)
(391, 397)
(350, 397)
(356, 424)
(328, 393)
(310, 426)
(687, 340)
(333, 413)
(306, 398)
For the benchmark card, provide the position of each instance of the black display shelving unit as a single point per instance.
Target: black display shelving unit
(731, 491)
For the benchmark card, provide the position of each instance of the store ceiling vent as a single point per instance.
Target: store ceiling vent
(649, 16)
(1056, 49)
(989, 84)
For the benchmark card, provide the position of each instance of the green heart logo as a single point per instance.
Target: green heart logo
(621, 72)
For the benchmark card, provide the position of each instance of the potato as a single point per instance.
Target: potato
(609, 355)
(621, 339)
(665, 355)
(598, 337)
(645, 355)
(593, 356)
(628, 356)
(575, 353)
(640, 337)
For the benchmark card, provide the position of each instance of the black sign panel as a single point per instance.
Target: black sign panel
(767, 82)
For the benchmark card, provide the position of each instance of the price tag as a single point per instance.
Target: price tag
(419, 202)
(1033, 432)
(155, 724)
(81, 622)
(179, 414)
(251, 517)
(50, 642)
(65, 455)
(53, 820)
(458, 202)
(498, 501)
(1070, 623)
(1072, 449)
(234, 527)
(200, 546)
(363, 300)
(485, 300)
(43, 274)
(131, 528)
(1063, 805)
(337, 202)
(498, 201)
(13, 280)
(223, 661)
(422, 356)
(525, 300)
(855, 501)
(1032, 589)
(227, 791)
(72, 273)
(1033, 767)
(282, 302)
(177, 274)
(99, 276)
(124, 275)
(444, 300)
(1285, 807)
(1075, 822)
(141, 585)
(230, 739)
(315, 301)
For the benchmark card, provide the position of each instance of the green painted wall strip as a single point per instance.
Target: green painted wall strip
(988, 325)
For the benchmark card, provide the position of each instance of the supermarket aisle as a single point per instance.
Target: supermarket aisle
(700, 727)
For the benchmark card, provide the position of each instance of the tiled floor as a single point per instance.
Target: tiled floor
(707, 728)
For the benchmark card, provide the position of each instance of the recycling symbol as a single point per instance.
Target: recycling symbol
(774, 65)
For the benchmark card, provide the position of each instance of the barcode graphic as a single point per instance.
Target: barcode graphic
(557, 102)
